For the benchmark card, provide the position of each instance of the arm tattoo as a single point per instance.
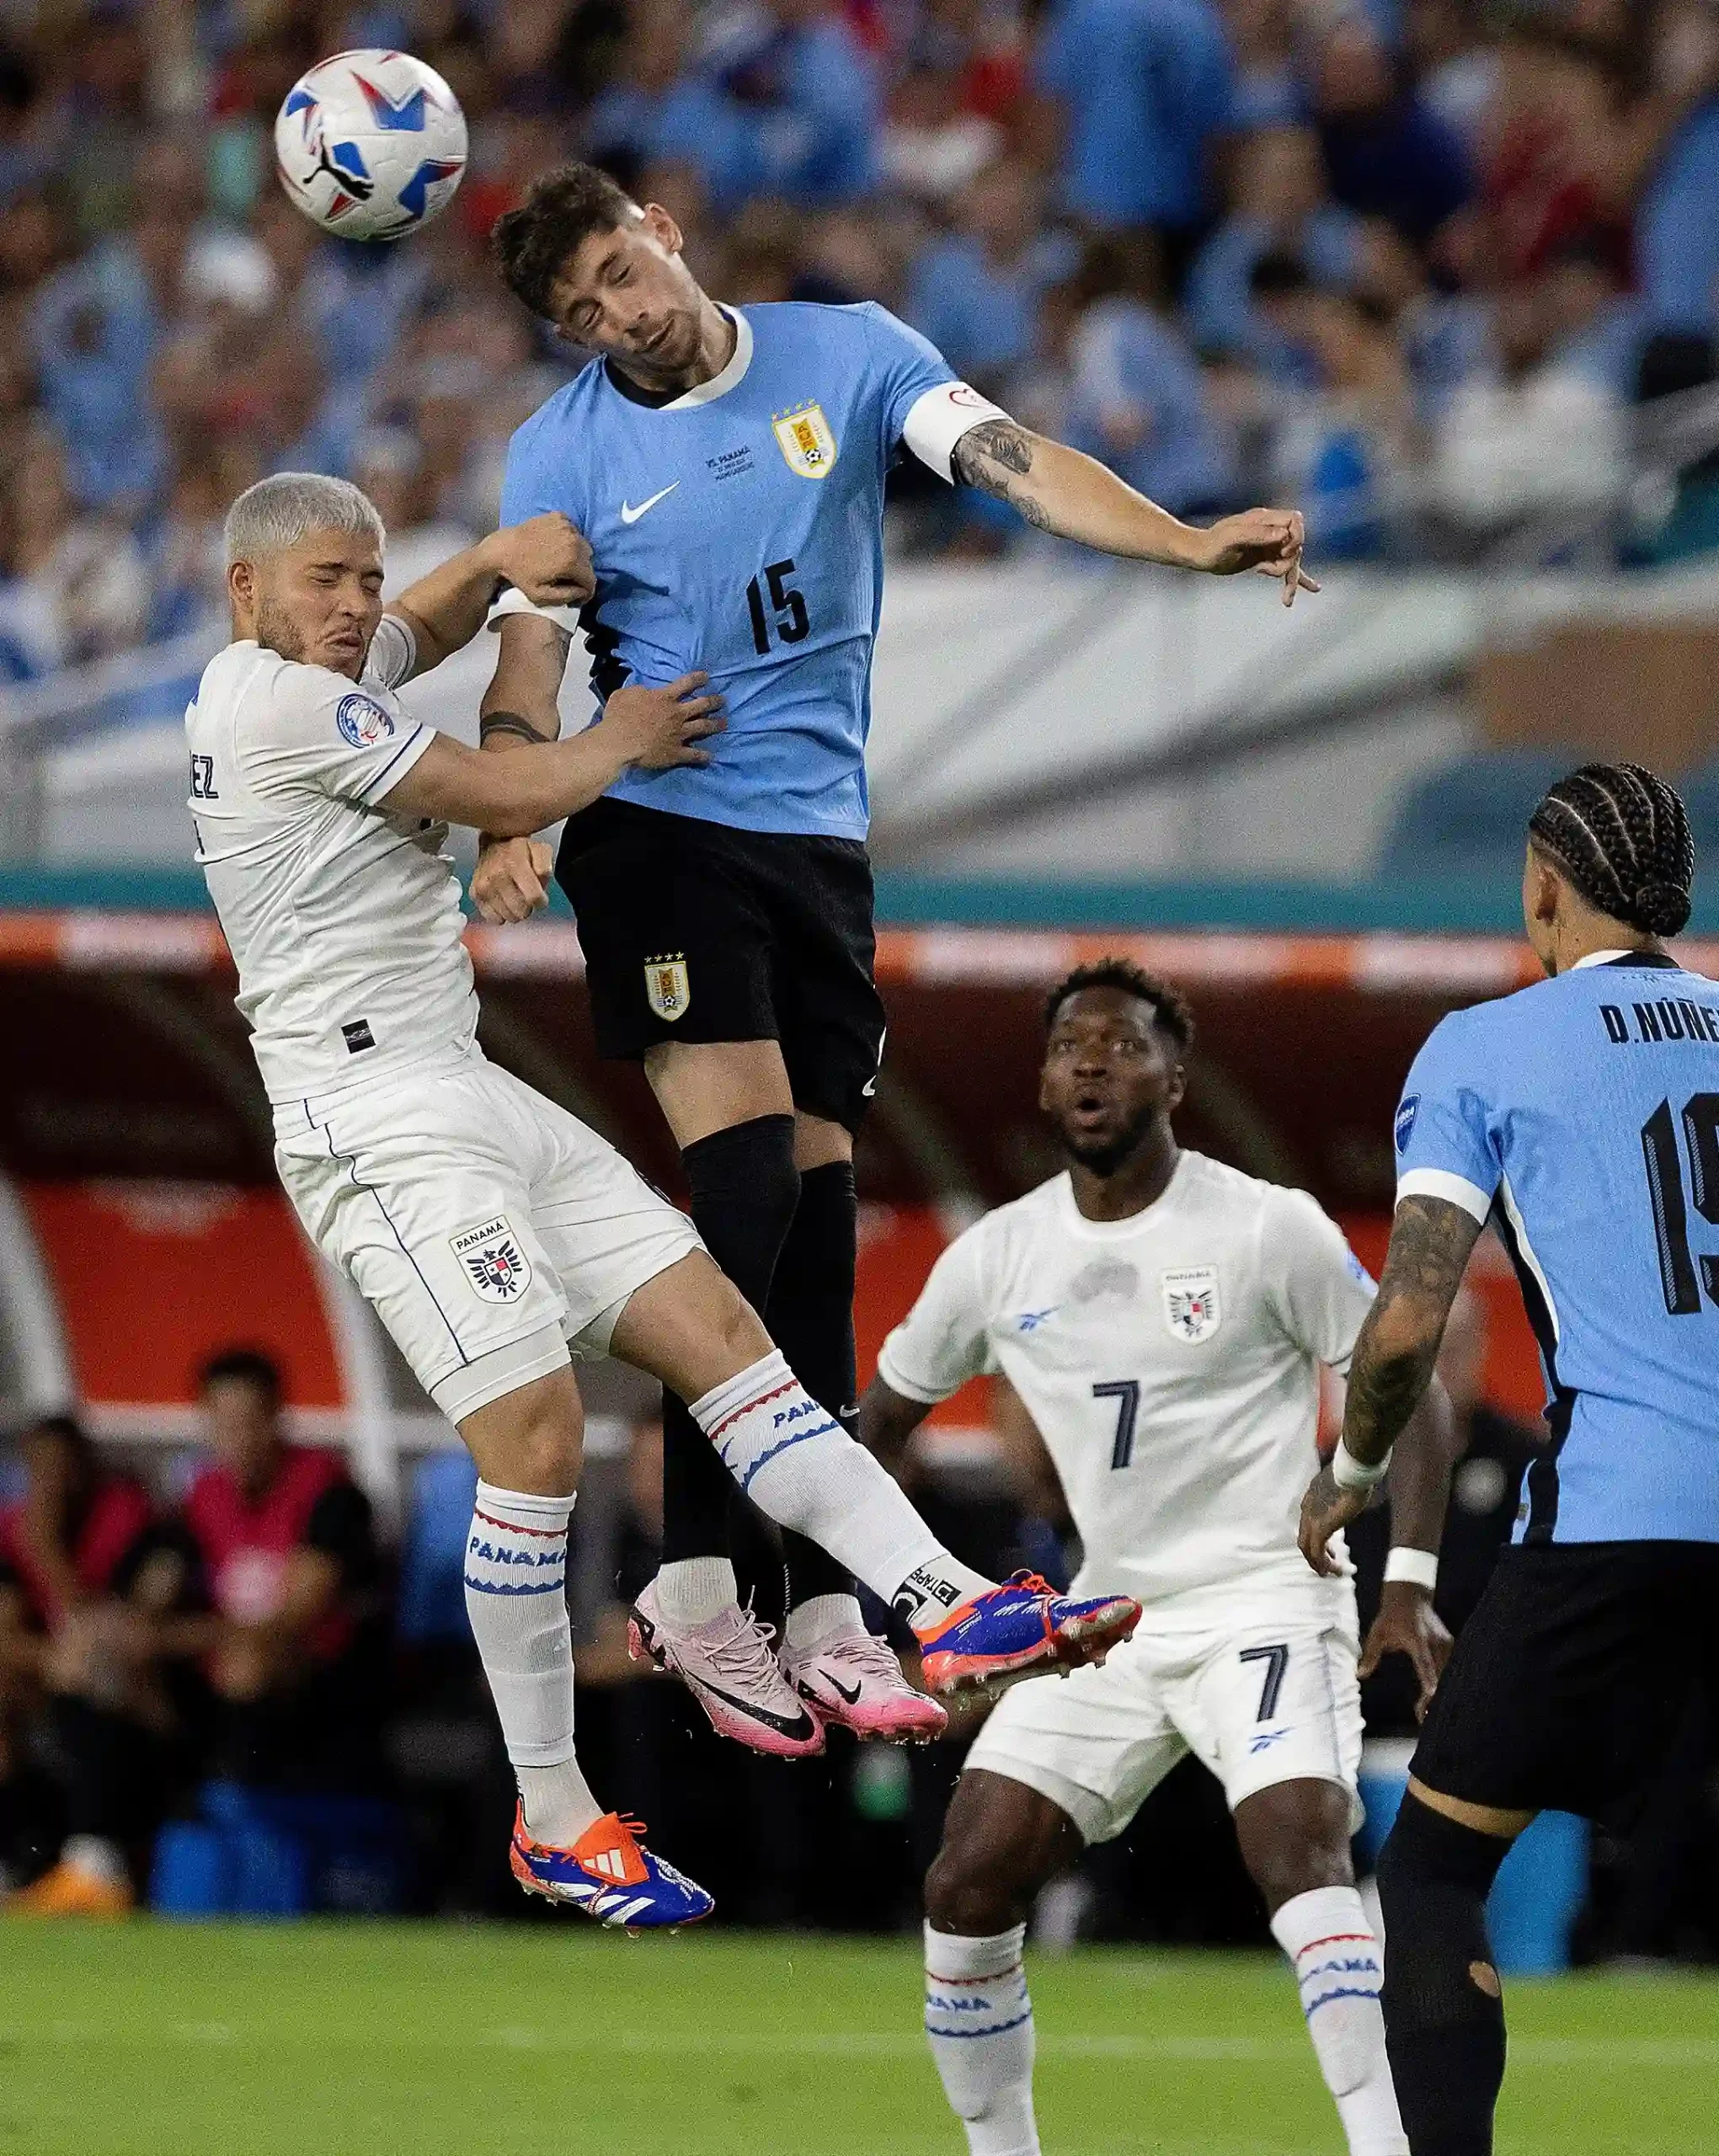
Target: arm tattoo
(1430, 1243)
(990, 455)
(509, 722)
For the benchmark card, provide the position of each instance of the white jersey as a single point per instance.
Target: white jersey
(344, 921)
(1171, 1362)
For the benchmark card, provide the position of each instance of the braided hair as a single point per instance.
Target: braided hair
(1619, 834)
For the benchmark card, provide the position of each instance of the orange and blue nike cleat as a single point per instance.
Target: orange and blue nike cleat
(609, 1875)
(1019, 1629)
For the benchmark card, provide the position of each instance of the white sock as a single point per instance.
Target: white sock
(1338, 1969)
(693, 1590)
(516, 1600)
(97, 1857)
(797, 1464)
(979, 2023)
(820, 1618)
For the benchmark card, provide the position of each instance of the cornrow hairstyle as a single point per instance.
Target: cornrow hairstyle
(1169, 1009)
(1619, 834)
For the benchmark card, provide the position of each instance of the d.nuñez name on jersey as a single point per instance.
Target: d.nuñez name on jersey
(738, 529)
(1581, 1117)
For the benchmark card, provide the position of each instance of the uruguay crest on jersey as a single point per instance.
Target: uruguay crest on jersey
(804, 436)
(1191, 1309)
(667, 989)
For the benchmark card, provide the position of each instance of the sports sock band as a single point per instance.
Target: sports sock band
(979, 2024)
(1336, 1958)
(516, 1574)
(798, 1465)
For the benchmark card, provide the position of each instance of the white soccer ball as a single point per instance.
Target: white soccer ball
(371, 145)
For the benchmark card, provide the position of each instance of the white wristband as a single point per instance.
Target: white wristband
(1349, 1473)
(1417, 1567)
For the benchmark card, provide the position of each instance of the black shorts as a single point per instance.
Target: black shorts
(1571, 1681)
(696, 931)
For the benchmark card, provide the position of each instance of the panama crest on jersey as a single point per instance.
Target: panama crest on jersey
(1191, 1308)
(498, 1269)
(803, 436)
(667, 989)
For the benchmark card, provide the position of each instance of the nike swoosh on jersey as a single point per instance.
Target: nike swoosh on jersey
(629, 515)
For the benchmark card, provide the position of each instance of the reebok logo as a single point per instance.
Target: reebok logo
(629, 515)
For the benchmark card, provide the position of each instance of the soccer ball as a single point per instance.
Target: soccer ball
(371, 145)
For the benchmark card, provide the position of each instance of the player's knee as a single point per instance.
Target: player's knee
(1435, 1876)
(533, 1440)
(1294, 1840)
(970, 1890)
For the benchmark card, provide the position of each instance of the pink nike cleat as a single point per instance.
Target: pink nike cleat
(729, 1667)
(856, 1680)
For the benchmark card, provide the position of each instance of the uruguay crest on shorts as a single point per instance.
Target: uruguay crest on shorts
(666, 988)
(804, 437)
(498, 1269)
(1191, 1309)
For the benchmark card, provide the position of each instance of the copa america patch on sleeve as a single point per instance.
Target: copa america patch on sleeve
(362, 721)
(496, 1266)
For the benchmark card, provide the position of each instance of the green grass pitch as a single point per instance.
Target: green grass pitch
(400, 2040)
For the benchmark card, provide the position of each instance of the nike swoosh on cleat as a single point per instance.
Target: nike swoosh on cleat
(803, 1727)
(842, 1691)
(629, 515)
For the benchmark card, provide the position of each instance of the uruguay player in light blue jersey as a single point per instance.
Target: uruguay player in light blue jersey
(727, 469)
(1580, 1117)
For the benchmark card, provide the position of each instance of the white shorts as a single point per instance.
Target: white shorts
(1267, 1694)
(486, 1227)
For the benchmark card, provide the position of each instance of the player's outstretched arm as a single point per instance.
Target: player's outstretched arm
(1430, 1243)
(545, 557)
(511, 795)
(1060, 490)
(886, 1421)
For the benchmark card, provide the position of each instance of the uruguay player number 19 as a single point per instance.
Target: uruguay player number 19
(1677, 1263)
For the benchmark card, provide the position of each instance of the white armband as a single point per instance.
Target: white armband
(512, 600)
(1349, 1473)
(939, 418)
(1417, 1567)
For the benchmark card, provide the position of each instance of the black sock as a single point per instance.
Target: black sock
(1444, 2008)
(810, 1317)
(744, 1188)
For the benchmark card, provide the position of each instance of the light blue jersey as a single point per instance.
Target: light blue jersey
(1581, 1116)
(738, 529)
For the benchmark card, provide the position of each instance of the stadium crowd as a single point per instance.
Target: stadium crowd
(1412, 263)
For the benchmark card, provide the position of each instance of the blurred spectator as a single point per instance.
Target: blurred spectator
(83, 1570)
(1389, 154)
(1544, 439)
(74, 587)
(1137, 398)
(1345, 442)
(1279, 204)
(293, 1648)
(660, 108)
(811, 89)
(1141, 87)
(978, 294)
(1445, 336)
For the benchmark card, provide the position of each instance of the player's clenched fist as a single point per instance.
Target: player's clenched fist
(546, 558)
(657, 728)
(1269, 540)
(511, 880)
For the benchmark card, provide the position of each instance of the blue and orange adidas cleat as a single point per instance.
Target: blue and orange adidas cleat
(1019, 1629)
(609, 1875)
